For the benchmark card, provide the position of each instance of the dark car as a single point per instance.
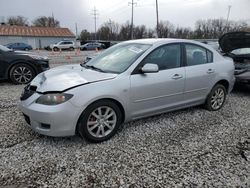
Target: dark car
(20, 67)
(92, 46)
(237, 46)
(19, 46)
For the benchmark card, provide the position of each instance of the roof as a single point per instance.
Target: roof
(157, 41)
(7, 30)
(161, 41)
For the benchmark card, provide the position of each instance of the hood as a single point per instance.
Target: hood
(30, 54)
(68, 76)
(234, 40)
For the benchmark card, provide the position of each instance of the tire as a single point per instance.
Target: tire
(26, 49)
(21, 73)
(71, 48)
(56, 49)
(98, 130)
(216, 98)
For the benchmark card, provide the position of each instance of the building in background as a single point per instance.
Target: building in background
(37, 37)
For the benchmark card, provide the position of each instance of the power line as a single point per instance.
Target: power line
(132, 17)
(95, 14)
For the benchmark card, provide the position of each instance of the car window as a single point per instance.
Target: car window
(197, 55)
(209, 57)
(166, 57)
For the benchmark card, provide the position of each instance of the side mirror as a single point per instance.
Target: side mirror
(150, 68)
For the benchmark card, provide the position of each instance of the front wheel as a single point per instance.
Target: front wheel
(100, 121)
(21, 74)
(216, 98)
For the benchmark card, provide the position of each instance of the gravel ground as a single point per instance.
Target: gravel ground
(187, 148)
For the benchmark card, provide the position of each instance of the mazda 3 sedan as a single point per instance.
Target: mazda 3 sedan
(131, 80)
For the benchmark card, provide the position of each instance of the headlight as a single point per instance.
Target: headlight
(53, 98)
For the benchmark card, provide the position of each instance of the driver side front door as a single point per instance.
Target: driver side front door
(153, 93)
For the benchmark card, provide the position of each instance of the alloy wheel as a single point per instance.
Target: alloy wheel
(22, 74)
(101, 121)
(217, 98)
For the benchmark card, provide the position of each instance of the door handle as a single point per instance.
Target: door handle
(177, 76)
(210, 71)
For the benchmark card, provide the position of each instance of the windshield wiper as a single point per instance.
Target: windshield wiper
(91, 67)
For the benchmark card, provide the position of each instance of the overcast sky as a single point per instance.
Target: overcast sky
(179, 12)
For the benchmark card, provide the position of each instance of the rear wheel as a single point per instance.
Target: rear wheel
(71, 48)
(21, 73)
(216, 98)
(56, 49)
(100, 121)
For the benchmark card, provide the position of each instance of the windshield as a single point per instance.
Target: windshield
(241, 51)
(118, 58)
(5, 49)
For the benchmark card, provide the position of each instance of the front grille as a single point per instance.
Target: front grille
(27, 92)
(27, 119)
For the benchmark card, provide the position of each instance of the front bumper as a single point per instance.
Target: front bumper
(243, 77)
(57, 120)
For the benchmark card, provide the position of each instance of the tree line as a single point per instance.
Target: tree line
(42, 21)
(110, 30)
(204, 29)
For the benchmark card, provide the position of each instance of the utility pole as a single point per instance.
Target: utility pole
(110, 28)
(228, 13)
(132, 18)
(157, 19)
(95, 14)
(53, 19)
(76, 31)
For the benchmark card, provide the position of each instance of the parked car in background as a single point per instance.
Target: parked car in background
(19, 46)
(92, 46)
(236, 45)
(130, 80)
(63, 45)
(20, 67)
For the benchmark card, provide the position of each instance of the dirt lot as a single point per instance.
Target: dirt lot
(191, 147)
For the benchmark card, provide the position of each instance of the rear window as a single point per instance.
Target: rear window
(197, 55)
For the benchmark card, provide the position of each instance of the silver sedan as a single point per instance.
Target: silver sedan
(131, 80)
